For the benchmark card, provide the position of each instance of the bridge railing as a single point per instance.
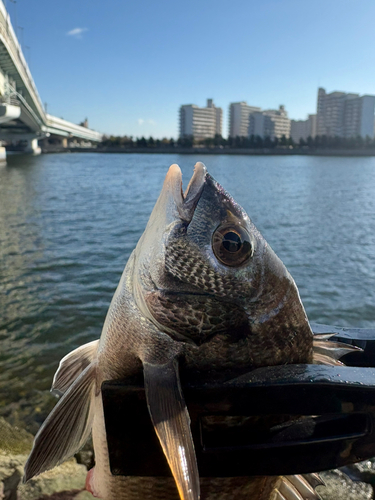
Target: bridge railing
(15, 50)
(9, 99)
(72, 129)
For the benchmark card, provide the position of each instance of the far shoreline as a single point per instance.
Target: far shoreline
(219, 151)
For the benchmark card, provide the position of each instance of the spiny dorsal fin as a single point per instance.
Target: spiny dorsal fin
(334, 349)
(327, 352)
(323, 336)
(67, 427)
(322, 359)
(298, 487)
(171, 421)
(72, 365)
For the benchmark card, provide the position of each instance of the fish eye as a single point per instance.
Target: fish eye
(232, 245)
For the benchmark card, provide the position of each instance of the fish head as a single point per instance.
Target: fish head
(206, 276)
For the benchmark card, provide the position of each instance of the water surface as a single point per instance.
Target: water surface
(68, 223)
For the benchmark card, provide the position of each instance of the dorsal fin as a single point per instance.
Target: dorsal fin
(72, 365)
(328, 352)
(66, 428)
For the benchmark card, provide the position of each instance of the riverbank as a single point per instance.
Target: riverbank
(219, 151)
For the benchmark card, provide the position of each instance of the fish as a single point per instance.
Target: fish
(202, 297)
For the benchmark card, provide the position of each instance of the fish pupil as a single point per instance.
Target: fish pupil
(232, 242)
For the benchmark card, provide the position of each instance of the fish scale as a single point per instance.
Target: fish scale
(162, 324)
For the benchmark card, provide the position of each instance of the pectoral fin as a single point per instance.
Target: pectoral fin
(172, 424)
(72, 365)
(67, 427)
(298, 487)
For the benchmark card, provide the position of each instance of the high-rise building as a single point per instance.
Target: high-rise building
(302, 129)
(270, 123)
(345, 115)
(201, 123)
(239, 113)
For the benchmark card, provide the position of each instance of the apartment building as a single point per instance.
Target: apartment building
(345, 115)
(239, 113)
(270, 123)
(302, 129)
(201, 123)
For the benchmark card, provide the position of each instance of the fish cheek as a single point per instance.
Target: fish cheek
(188, 264)
(197, 317)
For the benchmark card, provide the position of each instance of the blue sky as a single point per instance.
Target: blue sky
(129, 65)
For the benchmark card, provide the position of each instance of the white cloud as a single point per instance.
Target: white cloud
(76, 32)
(141, 121)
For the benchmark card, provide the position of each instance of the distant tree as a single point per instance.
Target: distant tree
(368, 142)
(208, 142)
(218, 140)
(359, 142)
(252, 141)
(302, 143)
(283, 140)
(310, 142)
(268, 142)
(186, 141)
(258, 144)
(238, 141)
(141, 143)
(350, 142)
(324, 141)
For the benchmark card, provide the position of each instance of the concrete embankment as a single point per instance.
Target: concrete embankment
(219, 151)
(65, 482)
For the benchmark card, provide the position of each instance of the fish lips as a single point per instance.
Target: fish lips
(185, 202)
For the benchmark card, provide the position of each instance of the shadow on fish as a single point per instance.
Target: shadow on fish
(204, 297)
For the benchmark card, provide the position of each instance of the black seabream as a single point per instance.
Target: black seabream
(202, 296)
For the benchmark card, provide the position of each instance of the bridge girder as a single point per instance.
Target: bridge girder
(33, 117)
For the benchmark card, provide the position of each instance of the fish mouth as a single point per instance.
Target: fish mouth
(188, 200)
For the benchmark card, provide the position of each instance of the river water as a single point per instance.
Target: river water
(68, 223)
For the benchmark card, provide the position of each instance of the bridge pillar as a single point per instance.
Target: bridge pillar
(3, 155)
(33, 147)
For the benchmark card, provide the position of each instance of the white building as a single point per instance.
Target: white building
(239, 113)
(270, 123)
(345, 115)
(302, 129)
(201, 123)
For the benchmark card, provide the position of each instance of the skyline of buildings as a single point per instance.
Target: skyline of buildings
(345, 114)
(302, 129)
(272, 123)
(199, 122)
(338, 114)
(239, 118)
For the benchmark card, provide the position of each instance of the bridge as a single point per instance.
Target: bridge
(22, 114)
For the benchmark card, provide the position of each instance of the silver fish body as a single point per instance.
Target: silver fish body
(202, 296)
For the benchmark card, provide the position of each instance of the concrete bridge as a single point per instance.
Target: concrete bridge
(22, 114)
